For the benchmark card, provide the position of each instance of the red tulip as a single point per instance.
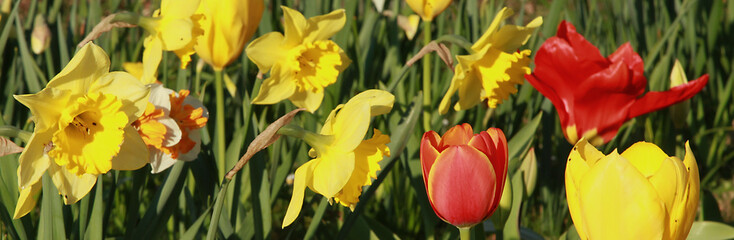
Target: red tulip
(464, 173)
(594, 95)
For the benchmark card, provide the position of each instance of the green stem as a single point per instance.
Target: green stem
(426, 78)
(10, 131)
(219, 134)
(465, 233)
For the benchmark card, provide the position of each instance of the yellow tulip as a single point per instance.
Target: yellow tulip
(639, 194)
(302, 62)
(83, 128)
(227, 25)
(428, 9)
(343, 162)
(493, 68)
(174, 27)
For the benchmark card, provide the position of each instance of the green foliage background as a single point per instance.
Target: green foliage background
(178, 203)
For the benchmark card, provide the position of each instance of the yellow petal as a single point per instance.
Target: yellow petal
(178, 8)
(176, 33)
(276, 88)
(510, 37)
(380, 101)
(134, 68)
(266, 50)
(327, 129)
(323, 27)
(367, 155)
(617, 202)
(332, 172)
(443, 107)
(45, 106)
(132, 93)
(133, 152)
(71, 187)
(294, 25)
(646, 157)
(470, 89)
(350, 125)
(684, 212)
(88, 64)
(151, 58)
(499, 72)
(33, 161)
(579, 160)
(27, 200)
(669, 181)
(303, 177)
(428, 9)
(486, 38)
(311, 100)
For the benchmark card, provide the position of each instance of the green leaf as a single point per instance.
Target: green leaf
(512, 226)
(521, 142)
(710, 231)
(94, 229)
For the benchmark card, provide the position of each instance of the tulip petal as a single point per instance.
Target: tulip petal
(646, 157)
(617, 202)
(626, 54)
(322, 27)
(457, 135)
(27, 200)
(670, 182)
(684, 213)
(294, 26)
(266, 50)
(303, 178)
(429, 153)
(653, 101)
(133, 153)
(33, 161)
(71, 187)
(88, 64)
(498, 157)
(462, 173)
(276, 88)
(331, 172)
(132, 93)
(580, 159)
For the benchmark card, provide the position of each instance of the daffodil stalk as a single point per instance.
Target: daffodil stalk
(219, 92)
(426, 78)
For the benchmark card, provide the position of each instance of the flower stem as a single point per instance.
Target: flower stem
(219, 134)
(426, 78)
(465, 233)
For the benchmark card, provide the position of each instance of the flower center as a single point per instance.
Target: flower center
(316, 65)
(90, 134)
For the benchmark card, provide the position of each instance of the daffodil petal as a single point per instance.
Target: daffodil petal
(327, 129)
(133, 152)
(194, 135)
(380, 101)
(646, 157)
(443, 107)
(33, 161)
(71, 187)
(27, 200)
(619, 203)
(303, 177)
(160, 161)
(486, 38)
(266, 50)
(470, 92)
(276, 88)
(510, 37)
(311, 100)
(88, 64)
(132, 93)
(173, 131)
(151, 58)
(294, 24)
(176, 34)
(160, 97)
(350, 125)
(332, 172)
(133, 68)
(45, 106)
(322, 27)
(178, 8)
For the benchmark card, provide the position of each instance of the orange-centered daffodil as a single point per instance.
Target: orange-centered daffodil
(302, 62)
(83, 128)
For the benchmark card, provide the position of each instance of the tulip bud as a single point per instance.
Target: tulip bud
(464, 173)
(227, 25)
(428, 9)
(639, 194)
(41, 35)
(679, 111)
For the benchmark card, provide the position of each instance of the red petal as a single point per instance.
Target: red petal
(499, 161)
(626, 54)
(457, 135)
(586, 51)
(462, 186)
(429, 153)
(653, 101)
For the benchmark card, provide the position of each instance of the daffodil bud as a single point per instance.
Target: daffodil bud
(41, 35)
(679, 111)
(428, 9)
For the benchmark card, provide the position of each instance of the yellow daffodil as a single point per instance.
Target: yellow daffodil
(301, 63)
(428, 9)
(174, 27)
(494, 66)
(227, 25)
(639, 194)
(83, 128)
(343, 162)
(170, 127)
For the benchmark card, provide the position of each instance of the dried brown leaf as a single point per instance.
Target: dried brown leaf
(8, 147)
(103, 26)
(440, 49)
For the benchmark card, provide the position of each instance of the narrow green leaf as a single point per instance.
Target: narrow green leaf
(316, 221)
(512, 226)
(710, 231)
(26, 58)
(94, 229)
